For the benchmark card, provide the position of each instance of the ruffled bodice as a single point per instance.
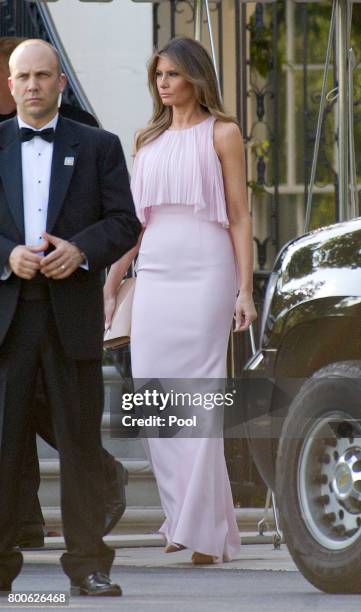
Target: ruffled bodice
(180, 167)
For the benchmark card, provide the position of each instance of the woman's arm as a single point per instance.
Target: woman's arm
(228, 144)
(114, 278)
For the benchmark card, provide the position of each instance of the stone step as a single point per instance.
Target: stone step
(146, 540)
(141, 490)
(147, 520)
(128, 448)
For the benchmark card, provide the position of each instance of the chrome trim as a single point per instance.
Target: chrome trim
(270, 289)
(255, 361)
(328, 482)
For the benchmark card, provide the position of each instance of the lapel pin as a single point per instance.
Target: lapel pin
(69, 161)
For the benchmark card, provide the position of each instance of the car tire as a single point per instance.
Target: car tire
(318, 478)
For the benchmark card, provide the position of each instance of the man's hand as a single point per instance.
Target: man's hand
(63, 261)
(24, 260)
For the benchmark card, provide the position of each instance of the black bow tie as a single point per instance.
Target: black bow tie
(27, 134)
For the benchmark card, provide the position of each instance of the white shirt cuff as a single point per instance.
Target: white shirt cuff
(5, 273)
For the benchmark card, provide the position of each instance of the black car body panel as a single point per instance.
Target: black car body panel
(313, 319)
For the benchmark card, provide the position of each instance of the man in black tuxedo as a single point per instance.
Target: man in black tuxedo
(30, 532)
(66, 212)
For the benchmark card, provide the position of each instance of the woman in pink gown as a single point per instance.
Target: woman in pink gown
(189, 190)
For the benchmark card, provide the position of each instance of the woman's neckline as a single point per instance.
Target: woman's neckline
(189, 127)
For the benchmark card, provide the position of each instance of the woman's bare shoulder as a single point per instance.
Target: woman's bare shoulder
(228, 128)
(226, 133)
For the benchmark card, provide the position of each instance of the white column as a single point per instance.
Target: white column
(109, 44)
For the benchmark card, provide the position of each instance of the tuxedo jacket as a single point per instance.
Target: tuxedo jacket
(90, 204)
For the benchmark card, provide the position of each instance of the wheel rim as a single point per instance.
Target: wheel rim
(329, 480)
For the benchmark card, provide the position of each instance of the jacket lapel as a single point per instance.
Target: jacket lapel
(10, 172)
(62, 168)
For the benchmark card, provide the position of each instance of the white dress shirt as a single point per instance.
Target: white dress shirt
(36, 159)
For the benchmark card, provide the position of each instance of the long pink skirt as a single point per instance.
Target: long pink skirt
(182, 315)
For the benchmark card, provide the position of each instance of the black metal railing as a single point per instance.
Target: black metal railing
(32, 20)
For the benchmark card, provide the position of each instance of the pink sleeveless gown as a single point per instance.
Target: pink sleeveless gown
(182, 315)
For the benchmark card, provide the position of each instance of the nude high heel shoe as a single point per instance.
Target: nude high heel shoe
(173, 547)
(201, 559)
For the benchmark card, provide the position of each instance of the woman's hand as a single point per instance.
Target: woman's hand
(245, 311)
(109, 308)
(116, 274)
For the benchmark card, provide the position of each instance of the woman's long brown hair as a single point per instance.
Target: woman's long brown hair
(193, 62)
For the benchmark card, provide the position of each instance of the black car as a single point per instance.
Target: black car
(303, 408)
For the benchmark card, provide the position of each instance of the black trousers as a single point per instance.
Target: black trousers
(40, 422)
(75, 393)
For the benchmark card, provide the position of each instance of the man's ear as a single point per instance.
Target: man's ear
(62, 82)
(10, 83)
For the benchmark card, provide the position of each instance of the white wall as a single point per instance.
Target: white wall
(108, 45)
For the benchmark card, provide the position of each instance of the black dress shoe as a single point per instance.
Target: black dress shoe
(30, 535)
(97, 584)
(115, 496)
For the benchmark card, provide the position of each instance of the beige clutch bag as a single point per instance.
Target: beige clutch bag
(119, 333)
